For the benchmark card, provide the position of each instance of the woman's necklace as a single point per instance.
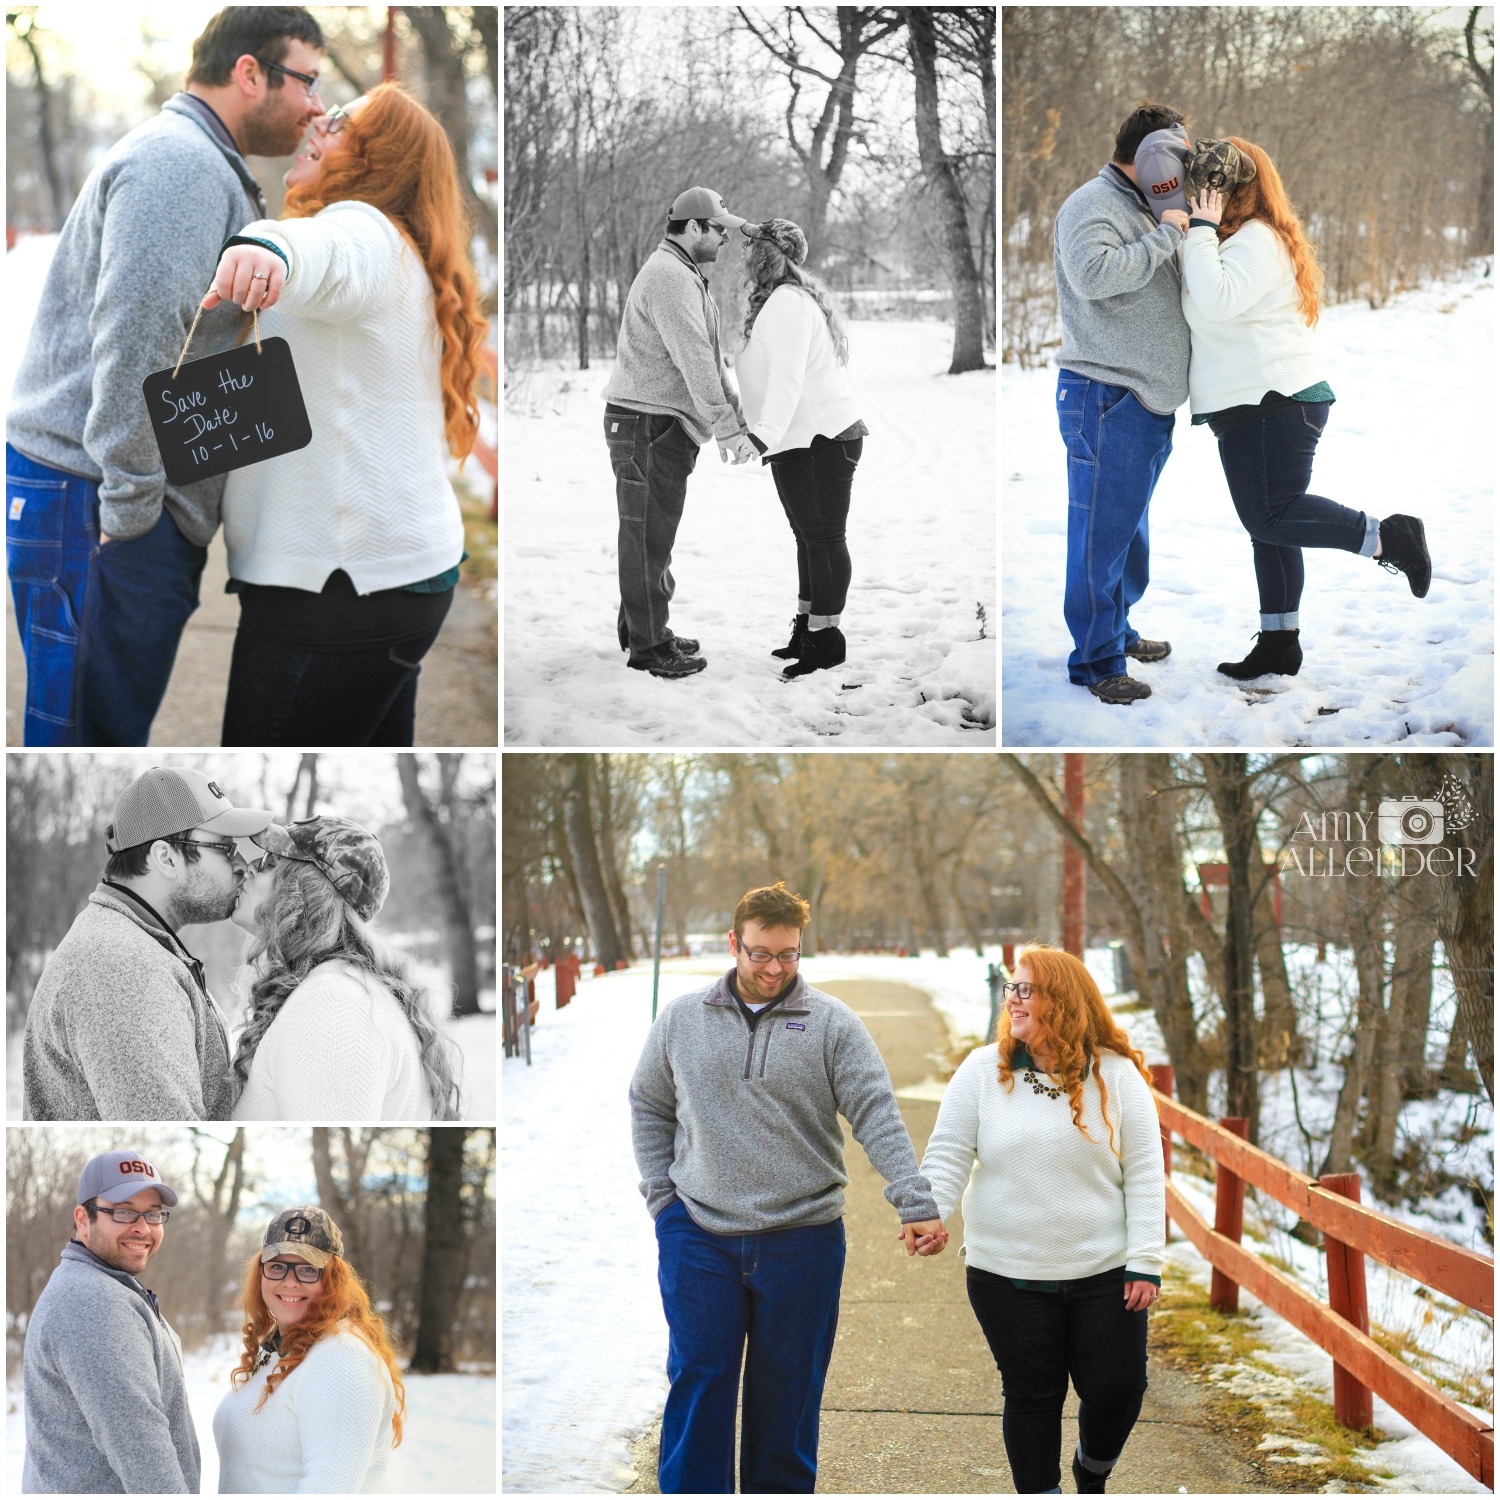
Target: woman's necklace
(1038, 1087)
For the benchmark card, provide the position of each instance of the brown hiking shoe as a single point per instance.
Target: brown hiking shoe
(1119, 689)
(1144, 650)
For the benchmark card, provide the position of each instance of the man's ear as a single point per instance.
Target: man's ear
(247, 75)
(734, 946)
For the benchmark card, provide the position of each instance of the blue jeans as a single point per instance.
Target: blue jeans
(1269, 467)
(1039, 1339)
(771, 1300)
(1116, 450)
(652, 456)
(99, 625)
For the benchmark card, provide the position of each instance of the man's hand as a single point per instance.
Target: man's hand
(1176, 218)
(1140, 1294)
(1210, 206)
(248, 276)
(924, 1237)
(740, 446)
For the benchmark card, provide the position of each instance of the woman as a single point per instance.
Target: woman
(1250, 289)
(804, 419)
(1064, 1221)
(337, 1030)
(316, 1403)
(345, 554)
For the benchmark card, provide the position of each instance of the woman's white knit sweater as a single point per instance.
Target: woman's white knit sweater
(340, 1048)
(1044, 1203)
(370, 493)
(324, 1430)
(1240, 302)
(792, 385)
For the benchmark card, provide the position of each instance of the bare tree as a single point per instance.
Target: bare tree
(444, 1253)
(578, 820)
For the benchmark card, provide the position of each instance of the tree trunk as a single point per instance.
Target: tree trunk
(448, 886)
(223, 1209)
(346, 1208)
(947, 195)
(1281, 1042)
(1365, 936)
(444, 1253)
(619, 906)
(578, 821)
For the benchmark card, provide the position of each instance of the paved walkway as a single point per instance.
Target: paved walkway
(457, 703)
(912, 1404)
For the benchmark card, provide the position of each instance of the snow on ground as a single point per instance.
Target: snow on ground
(1381, 668)
(921, 535)
(584, 1355)
(447, 1447)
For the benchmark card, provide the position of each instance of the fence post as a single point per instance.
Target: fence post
(566, 980)
(1229, 1220)
(1353, 1405)
(1163, 1077)
(993, 977)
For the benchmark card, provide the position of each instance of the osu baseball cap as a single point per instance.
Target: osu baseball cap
(305, 1231)
(703, 203)
(350, 856)
(1161, 169)
(166, 801)
(118, 1175)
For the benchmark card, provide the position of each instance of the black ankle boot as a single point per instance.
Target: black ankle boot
(1275, 652)
(1086, 1481)
(820, 648)
(1403, 549)
(792, 651)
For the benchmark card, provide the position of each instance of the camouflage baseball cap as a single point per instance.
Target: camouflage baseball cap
(350, 856)
(785, 235)
(304, 1231)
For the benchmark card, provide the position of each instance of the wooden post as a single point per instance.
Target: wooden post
(1229, 1220)
(1163, 1077)
(1353, 1404)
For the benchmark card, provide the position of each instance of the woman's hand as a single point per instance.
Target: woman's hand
(1210, 206)
(925, 1237)
(249, 276)
(1140, 1295)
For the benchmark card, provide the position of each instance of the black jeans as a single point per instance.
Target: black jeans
(814, 484)
(652, 457)
(1039, 1339)
(1269, 466)
(283, 694)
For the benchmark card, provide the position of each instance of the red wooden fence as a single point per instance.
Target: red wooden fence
(1351, 1231)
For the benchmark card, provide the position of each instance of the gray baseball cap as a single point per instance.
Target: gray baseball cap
(118, 1175)
(1161, 169)
(703, 203)
(166, 800)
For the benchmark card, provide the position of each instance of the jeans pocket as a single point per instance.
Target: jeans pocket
(414, 667)
(1072, 397)
(35, 517)
(1314, 415)
(620, 433)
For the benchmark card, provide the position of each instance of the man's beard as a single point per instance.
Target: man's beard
(270, 134)
(117, 1259)
(191, 907)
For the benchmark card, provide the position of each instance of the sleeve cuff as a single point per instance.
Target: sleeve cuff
(1202, 224)
(760, 447)
(1142, 1276)
(250, 239)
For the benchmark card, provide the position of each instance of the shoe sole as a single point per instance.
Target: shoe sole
(667, 676)
(1154, 656)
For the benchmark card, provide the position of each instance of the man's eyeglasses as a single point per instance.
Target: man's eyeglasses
(306, 80)
(275, 1270)
(760, 956)
(130, 1215)
(228, 850)
(1021, 991)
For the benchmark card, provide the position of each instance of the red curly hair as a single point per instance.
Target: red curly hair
(396, 158)
(1264, 197)
(1073, 1024)
(342, 1298)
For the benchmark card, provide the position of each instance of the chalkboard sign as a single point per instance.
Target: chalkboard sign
(227, 412)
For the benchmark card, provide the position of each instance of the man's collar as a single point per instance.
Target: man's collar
(675, 249)
(1130, 187)
(726, 992)
(169, 938)
(208, 117)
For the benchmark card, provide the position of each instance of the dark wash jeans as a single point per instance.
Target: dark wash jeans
(100, 626)
(1039, 1339)
(285, 695)
(1269, 466)
(1116, 451)
(771, 1300)
(814, 484)
(652, 457)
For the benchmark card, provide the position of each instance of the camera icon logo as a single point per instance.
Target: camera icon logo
(1409, 820)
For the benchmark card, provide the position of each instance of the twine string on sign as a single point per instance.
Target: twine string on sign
(254, 313)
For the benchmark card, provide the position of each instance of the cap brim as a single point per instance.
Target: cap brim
(309, 1253)
(168, 1197)
(238, 822)
(730, 221)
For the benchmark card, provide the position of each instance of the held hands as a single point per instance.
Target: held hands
(924, 1237)
(248, 276)
(1210, 206)
(1176, 218)
(740, 446)
(1140, 1294)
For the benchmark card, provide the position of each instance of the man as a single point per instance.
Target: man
(100, 621)
(734, 1114)
(106, 1401)
(667, 396)
(122, 1026)
(1123, 374)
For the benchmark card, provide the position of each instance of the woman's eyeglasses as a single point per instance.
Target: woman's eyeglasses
(1021, 991)
(334, 121)
(275, 1270)
(264, 860)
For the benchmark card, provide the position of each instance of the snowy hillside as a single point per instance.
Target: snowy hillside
(1410, 432)
(921, 666)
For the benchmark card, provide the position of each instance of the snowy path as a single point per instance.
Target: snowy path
(921, 534)
(1411, 431)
